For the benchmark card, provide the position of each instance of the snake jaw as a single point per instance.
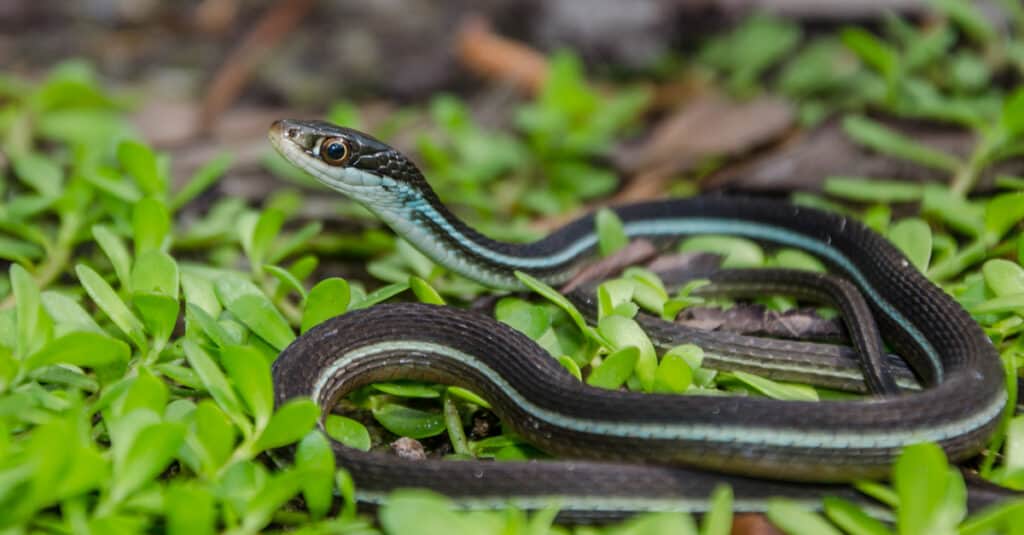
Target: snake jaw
(299, 143)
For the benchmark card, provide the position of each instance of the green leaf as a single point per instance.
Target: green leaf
(347, 489)
(920, 478)
(880, 138)
(776, 390)
(913, 236)
(287, 280)
(648, 290)
(158, 312)
(1003, 277)
(19, 251)
(329, 298)
(759, 42)
(211, 436)
(155, 292)
(83, 348)
(794, 519)
(738, 252)
(67, 314)
(417, 261)
(407, 422)
(199, 292)
(46, 459)
(1014, 451)
(659, 524)
(693, 355)
(155, 272)
(1002, 518)
(797, 259)
(108, 301)
(421, 512)
(611, 236)
(615, 369)
(614, 297)
(202, 179)
(673, 376)
(257, 235)
(110, 181)
(215, 382)
(624, 332)
(863, 189)
(879, 492)
(552, 295)
(250, 374)
(718, 519)
(144, 392)
(38, 172)
(149, 454)
(259, 511)
(466, 395)
(871, 50)
(289, 423)
(28, 312)
(1002, 213)
(295, 242)
(424, 292)
(968, 18)
(315, 458)
(571, 366)
(532, 320)
(408, 389)
(851, 518)
(140, 162)
(1000, 305)
(151, 225)
(215, 331)
(348, 431)
(1012, 117)
(252, 308)
(115, 250)
(878, 217)
(955, 211)
(88, 471)
(190, 509)
(379, 295)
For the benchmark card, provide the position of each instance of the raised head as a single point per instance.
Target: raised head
(348, 161)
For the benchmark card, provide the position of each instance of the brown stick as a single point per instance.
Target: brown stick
(233, 76)
(493, 56)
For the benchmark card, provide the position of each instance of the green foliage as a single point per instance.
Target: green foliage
(135, 344)
(746, 52)
(548, 168)
(122, 420)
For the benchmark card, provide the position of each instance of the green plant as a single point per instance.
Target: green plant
(135, 342)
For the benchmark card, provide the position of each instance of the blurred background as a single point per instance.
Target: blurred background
(134, 130)
(529, 111)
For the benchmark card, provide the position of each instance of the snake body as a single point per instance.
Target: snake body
(731, 439)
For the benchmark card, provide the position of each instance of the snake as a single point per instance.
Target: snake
(616, 452)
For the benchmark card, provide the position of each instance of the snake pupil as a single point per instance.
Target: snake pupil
(334, 152)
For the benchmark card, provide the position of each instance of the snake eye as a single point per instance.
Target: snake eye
(334, 151)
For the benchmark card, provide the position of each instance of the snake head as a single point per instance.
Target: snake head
(347, 160)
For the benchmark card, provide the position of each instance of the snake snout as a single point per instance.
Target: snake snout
(293, 131)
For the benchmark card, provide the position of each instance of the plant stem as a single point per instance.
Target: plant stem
(967, 176)
(45, 273)
(453, 420)
(960, 261)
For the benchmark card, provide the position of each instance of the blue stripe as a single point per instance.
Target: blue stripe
(689, 226)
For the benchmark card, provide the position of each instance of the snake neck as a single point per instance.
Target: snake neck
(422, 220)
